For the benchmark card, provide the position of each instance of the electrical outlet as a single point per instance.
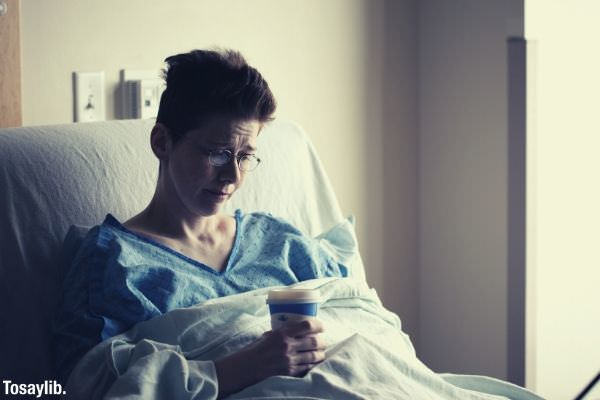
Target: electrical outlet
(148, 93)
(140, 93)
(88, 89)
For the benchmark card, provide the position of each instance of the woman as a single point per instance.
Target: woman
(180, 250)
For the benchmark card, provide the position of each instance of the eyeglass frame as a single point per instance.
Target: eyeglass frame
(230, 155)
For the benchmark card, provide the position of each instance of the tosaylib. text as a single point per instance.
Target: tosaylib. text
(38, 389)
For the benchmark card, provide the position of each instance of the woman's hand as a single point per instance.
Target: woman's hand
(291, 350)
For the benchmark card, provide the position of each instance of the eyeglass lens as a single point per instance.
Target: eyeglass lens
(246, 162)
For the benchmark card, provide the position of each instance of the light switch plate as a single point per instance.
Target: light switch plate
(88, 90)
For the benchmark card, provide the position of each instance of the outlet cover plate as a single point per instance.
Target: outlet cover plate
(129, 78)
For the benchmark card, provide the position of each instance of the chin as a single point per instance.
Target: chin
(208, 210)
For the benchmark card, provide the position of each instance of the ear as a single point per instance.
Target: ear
(160, 141)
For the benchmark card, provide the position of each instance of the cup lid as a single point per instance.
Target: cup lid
(287, 295)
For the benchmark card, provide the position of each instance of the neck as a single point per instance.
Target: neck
(172, 219)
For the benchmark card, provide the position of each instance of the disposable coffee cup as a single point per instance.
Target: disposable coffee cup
(290, 305)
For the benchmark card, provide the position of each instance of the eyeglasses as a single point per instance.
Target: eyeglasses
(218, 158)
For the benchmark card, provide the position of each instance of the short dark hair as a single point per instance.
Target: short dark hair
(203, 83)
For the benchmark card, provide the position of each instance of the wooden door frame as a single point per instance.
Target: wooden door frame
(10, 65)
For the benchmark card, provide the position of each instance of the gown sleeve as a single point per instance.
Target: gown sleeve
(75, 328)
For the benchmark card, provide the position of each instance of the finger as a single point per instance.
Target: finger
(310, 343)
(309, 357)
(303, 328)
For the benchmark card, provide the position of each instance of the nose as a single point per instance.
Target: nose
(230, 172)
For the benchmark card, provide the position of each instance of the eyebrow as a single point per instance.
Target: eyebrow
(247, 147)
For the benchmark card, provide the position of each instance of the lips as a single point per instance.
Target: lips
(218, 194)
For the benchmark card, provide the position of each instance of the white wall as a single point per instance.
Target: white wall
(325, 61)
(463, 184)
(564, 290)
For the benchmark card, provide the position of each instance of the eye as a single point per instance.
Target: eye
(220, 156)
(248, 162)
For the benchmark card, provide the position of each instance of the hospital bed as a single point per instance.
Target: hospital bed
(54, 177)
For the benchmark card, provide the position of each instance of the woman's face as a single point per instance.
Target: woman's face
(198, 186)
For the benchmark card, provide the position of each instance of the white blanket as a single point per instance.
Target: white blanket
(369, 357)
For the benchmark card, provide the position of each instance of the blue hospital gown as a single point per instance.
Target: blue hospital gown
(118, 278)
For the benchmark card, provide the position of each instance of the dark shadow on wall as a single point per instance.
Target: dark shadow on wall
(391, 141)
(517, 123)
